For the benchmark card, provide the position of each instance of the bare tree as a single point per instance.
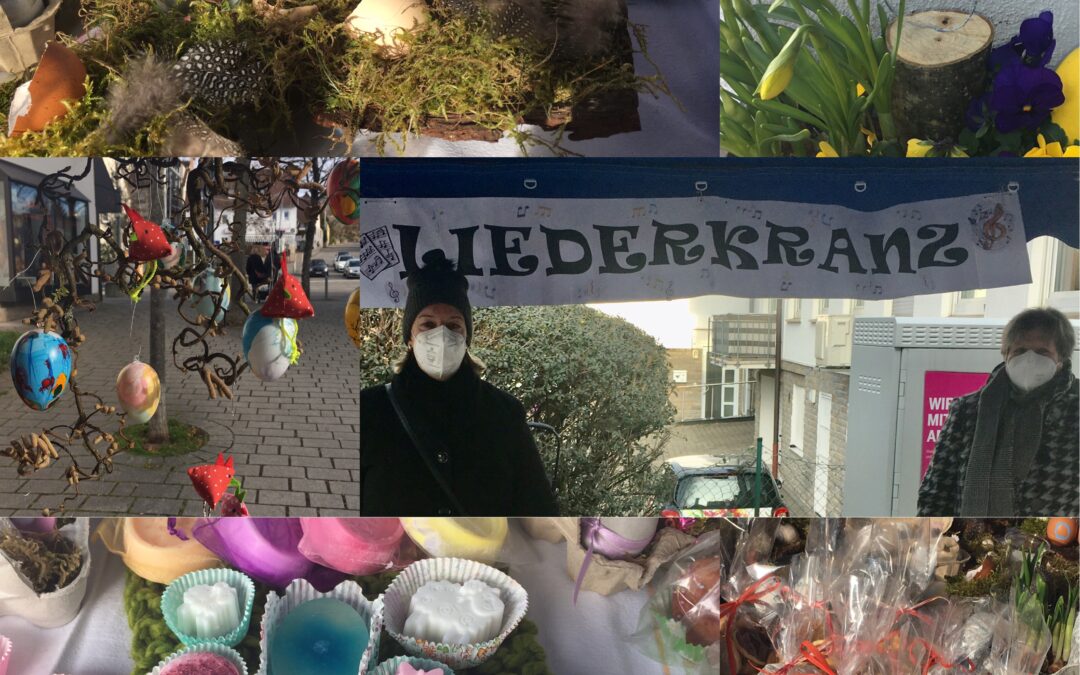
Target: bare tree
(157, 430)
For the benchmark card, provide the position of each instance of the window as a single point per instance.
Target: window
(793, 309)
(1066, 269)
(32, 218)
(798, 418)
(970, 303)
(822, 306)
(764, 305)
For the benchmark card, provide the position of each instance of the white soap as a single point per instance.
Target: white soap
(209, 611)
(442, 611)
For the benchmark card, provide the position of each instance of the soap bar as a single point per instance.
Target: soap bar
(209, 611)
(442, 611)
(324, 636)
(407, 669)
(200, 664)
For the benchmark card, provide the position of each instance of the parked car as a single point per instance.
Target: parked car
(341, 260)
(713, 486)
(318, 268)
(352, 269)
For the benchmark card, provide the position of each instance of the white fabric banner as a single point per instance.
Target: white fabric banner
(573, 251)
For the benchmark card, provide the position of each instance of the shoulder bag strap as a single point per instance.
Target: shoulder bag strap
(424, 450)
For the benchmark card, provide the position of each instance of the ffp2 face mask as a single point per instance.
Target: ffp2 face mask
(439, 352)
(1030, 370)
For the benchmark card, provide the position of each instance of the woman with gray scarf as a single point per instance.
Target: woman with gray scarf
(1013, 447)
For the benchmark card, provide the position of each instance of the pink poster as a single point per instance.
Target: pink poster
(939, 390)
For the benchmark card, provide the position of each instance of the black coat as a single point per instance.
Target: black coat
(493, 468)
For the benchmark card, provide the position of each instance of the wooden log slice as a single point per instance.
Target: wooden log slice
(940, 69)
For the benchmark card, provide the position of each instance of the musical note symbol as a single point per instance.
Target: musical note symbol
(394, 294)
(653, 210)
(785, 285)
(757, 214)
(521, 211)
(878, 290)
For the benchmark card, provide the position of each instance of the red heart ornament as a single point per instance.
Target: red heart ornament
(287, 300)
(212, 480)
(148, 239)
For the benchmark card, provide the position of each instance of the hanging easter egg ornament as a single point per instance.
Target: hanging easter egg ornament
(57, 82)
(352, 317)
(287, 300)
(146, 244)
(270, 345)
(343, 188)
(40, 368)
(208, 286)
(211, 481)
(138, 390)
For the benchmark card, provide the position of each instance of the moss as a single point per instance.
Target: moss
(1036, 527)
(453, 74)
(183, 439)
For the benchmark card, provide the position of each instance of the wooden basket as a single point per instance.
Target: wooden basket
(20, 48)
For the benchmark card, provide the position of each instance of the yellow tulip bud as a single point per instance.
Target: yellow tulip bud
(782, 68)
(917, 147)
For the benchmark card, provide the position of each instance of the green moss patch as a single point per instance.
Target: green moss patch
(183, 439)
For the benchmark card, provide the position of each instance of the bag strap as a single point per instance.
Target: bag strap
(424, 450)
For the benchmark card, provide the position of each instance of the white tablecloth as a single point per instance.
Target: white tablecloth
(683, 42)
(98, 641)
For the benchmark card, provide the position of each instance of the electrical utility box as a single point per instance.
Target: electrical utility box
(904, 373)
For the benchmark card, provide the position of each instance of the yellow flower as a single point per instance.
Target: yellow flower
(826, 150)
(1054, 149)
(781, 69)
(871, 137)
(916, 147)
(859, 89)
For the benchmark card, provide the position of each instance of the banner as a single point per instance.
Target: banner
(940, 388)
(572, 251)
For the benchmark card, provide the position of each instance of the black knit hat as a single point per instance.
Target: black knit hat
(437, 282)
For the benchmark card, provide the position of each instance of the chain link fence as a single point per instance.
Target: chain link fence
(810, 488)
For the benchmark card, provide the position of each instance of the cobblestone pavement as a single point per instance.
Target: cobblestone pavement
(295, 441)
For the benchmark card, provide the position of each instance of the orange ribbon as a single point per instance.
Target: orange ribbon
(753, 593)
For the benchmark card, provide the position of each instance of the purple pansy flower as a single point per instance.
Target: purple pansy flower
(1033, 46)
(1023, 97)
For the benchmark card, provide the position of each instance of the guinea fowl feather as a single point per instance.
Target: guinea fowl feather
(147, 88)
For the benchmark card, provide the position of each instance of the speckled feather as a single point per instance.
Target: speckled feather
(220, 74)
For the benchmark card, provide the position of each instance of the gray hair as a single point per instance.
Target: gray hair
(1046, 320)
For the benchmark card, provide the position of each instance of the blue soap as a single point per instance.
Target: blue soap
(320, 637)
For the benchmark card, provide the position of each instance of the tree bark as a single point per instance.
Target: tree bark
(940, 69)
(158, 429)
(235, 315)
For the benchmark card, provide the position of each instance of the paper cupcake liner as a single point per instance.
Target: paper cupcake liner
(47, 610)
(5, 654)
(390, 667)
(220, 650)
(173, 597)
(300, 591)
(396, 605)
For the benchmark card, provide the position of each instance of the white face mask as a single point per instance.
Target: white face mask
(439, 352)
(1030, 370)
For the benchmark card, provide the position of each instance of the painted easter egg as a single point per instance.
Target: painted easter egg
(210, 282)
(40, 368)
(343, 188)
(269, 345)
(352, 317)
(1061, 531)
(138, 390)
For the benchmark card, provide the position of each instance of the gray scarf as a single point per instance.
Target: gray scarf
(1008, 432)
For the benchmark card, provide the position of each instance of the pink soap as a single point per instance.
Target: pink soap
(407, 669)
(200, 663)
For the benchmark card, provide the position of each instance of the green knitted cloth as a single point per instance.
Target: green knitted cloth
(151, 639)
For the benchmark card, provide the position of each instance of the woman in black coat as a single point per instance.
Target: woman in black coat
(467, 450)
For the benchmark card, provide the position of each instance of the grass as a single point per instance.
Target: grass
(452, 71)
(7, 341)
(183, 439)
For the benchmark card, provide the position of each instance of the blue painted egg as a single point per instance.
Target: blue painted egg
(267, 345)
(204, 304)
(324, 636)
(40, 368)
